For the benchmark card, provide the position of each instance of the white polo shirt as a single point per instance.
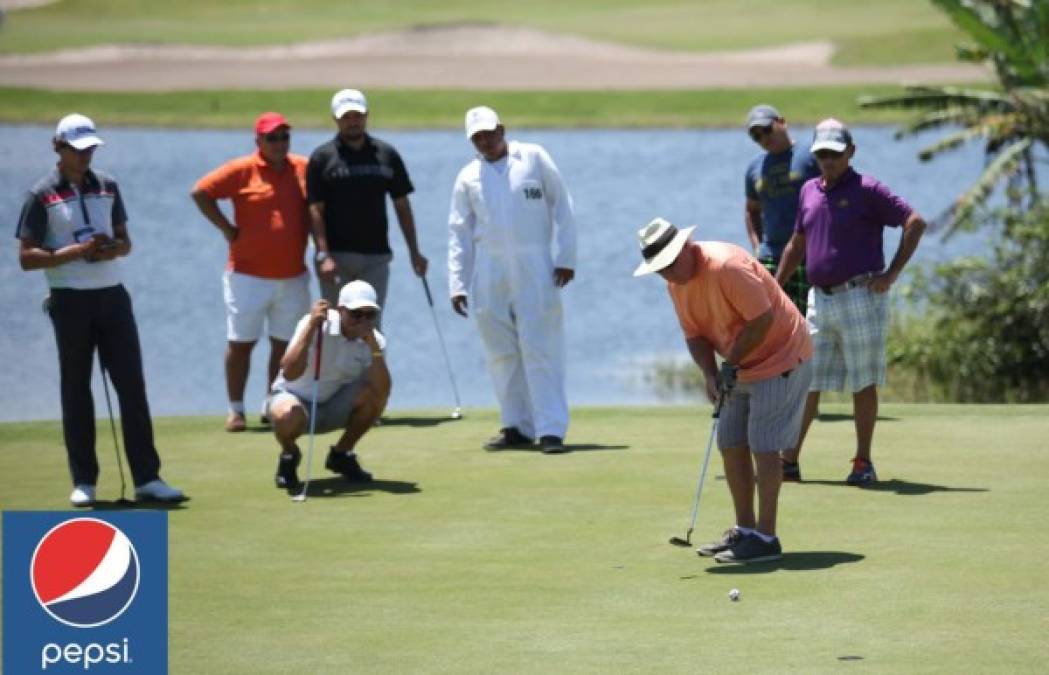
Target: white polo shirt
(342, 360)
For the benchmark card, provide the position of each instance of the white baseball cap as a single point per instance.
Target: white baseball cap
(346, 100)
(831, 135)
(481, 118)
(77, 131)
(358, 294)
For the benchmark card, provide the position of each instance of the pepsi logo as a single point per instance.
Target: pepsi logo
(84, 572)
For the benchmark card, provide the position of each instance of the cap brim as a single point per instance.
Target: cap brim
(478, 128)
(760, 122)
(273, 127)
(833, 146)
(85, 142)
(361, 304)
(349, 107)
(667, 255)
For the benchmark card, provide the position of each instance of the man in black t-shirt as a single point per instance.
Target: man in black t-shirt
(347, 181)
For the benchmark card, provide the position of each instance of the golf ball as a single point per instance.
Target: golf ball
(733, 595)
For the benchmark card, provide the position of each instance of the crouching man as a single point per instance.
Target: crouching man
(351, 386)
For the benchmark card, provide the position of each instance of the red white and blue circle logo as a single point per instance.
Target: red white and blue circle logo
(84, 572)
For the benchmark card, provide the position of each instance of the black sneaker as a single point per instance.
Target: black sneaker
(791, 472)
(552, 445)
(751, 549)
(729, 539)
(862, 473)
(508, 437)
(339, 461)
(287, 477)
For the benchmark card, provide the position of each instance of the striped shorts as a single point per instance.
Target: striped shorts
(765, 415)
(848, 331)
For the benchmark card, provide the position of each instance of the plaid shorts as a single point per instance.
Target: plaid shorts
(796, 288)
(848, 330)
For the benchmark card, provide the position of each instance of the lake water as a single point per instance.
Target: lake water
(617, 326)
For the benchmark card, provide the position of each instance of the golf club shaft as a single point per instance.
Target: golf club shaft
(703, 470)
(440, 338)
(313, 408)
(113, 427)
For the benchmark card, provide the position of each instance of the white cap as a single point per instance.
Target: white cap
(77, 131)
(831, 135)
(346, 100)
(481, 118)
(357, 294)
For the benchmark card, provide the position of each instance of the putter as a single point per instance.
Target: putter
(458, 412)
(687, 540)
(301, 497)
(123, 501)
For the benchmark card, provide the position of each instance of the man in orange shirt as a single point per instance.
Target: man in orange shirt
(266, 279)
(727, 302)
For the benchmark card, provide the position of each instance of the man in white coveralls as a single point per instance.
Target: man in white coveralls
(512, 247)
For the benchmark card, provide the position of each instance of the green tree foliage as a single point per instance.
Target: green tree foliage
(981, 327)
(980, 332)
(1012, 37)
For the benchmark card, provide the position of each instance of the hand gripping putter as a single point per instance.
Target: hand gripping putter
(687, 541)
(301, 497)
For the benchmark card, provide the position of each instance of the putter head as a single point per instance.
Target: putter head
(457, 414)
(301, 497)
(678, 541)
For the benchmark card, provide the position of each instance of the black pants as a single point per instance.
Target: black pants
(102, 318)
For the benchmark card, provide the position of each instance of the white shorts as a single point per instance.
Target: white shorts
(252, 301)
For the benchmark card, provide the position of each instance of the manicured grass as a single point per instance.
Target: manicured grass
(444, 109)
(859, 29)
(459, 560)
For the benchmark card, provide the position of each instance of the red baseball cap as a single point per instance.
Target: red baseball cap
(269, 121)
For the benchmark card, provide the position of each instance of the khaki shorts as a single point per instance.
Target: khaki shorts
(333, 414)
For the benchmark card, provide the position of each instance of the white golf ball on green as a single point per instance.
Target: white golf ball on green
(733, 595)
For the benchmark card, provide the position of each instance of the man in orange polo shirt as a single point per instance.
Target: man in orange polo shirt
(727, 302)
(266, 279)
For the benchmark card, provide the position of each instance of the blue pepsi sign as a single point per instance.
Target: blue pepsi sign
(85, 593)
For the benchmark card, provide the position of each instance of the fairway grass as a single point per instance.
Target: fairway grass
(463, 561)
(886, 32)
(441, 109)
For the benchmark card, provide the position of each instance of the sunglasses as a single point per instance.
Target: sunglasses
(828, 154)
(363, 313)
(277, 137)
(758, 133)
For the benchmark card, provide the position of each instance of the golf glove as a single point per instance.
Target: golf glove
(727, 378)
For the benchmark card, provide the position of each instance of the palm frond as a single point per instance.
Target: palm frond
(1004, 164)
(950, 142)
(934, 120)
(939, 98)
(980, 28)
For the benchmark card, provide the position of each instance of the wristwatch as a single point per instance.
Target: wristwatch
(320, 256)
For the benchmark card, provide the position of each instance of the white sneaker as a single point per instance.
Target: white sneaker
(158, 491)
(82, 495)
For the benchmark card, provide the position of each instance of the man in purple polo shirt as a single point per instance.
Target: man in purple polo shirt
(841, 216)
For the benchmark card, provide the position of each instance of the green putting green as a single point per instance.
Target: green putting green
(459, 560)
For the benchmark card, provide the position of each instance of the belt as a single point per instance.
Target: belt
(854, 282)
